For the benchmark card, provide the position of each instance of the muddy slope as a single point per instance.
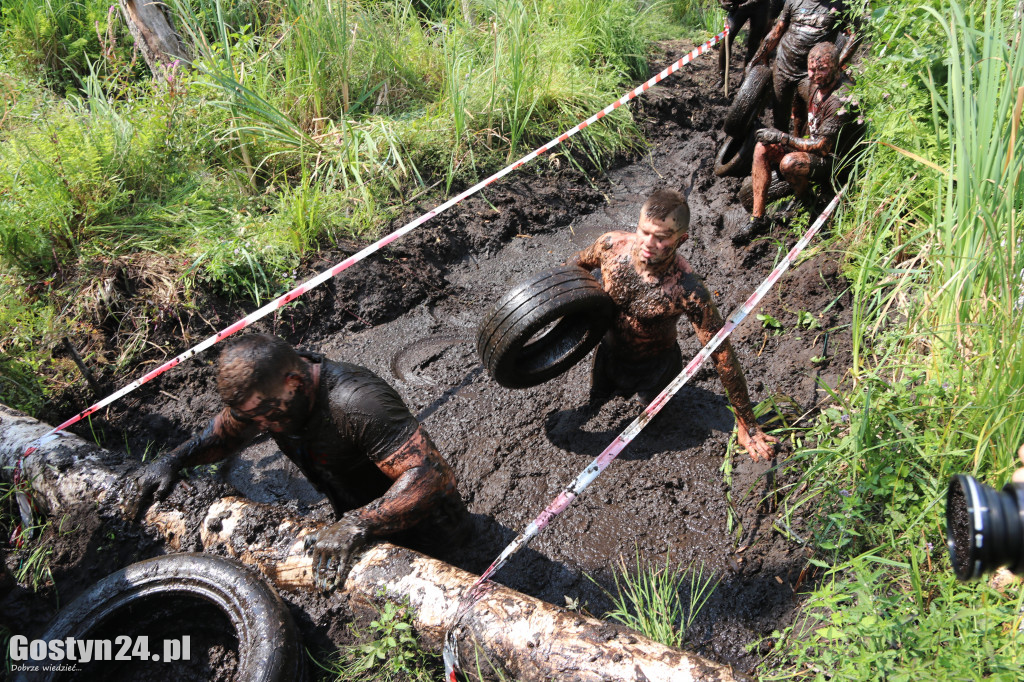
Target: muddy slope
(411, 313)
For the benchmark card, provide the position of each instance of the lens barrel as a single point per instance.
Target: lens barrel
(984, 527)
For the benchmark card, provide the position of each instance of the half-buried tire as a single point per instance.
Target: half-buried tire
(777, 189)
(208, 598)
(746, 105)
(544, 326)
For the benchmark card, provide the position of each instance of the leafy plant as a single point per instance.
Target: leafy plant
(806, 320)
(769, 322)
(390, 652)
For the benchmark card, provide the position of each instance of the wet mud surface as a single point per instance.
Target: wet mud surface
(411, 315)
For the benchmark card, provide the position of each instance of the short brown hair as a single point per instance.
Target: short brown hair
(823, 51)
(664, 203)
(255, 362)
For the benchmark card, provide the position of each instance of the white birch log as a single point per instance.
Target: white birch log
(527, 638)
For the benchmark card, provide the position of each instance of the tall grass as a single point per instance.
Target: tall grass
(936, 388)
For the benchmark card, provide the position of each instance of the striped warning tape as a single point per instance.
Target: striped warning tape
(601, 462)
(287, 298)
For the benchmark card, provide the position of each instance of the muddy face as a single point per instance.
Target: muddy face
(281, 411)
(822, 70)
(657, 241)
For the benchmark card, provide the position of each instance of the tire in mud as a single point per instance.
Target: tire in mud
(736, 156)
(178, 588)
(746, 105)
(777, 189)
(543, 326)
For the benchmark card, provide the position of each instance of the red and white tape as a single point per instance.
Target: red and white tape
(601, 462)
(287, 298)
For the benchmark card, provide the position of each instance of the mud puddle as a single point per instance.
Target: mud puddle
(411, 315)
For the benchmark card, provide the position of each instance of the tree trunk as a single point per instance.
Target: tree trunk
(512, 632)
(150, 25)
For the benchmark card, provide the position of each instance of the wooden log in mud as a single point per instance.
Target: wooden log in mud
(150, 25)
(525, 637)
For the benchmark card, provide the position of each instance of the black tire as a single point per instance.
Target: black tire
(777, 189)
(736, 156)
(174, 590)
(570, 299)
(746, 105)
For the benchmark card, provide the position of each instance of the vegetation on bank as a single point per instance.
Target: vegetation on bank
(223, 177)
(931, 237)
(302, 124)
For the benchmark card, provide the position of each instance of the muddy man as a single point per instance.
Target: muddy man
(827, 116)
(653, 287)
(346, 429)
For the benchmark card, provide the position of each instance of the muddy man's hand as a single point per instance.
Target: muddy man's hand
(757, 443)
(770, 136)
(334, 550)
(152, 482)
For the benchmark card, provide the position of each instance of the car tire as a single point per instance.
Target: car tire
(746, 105)
(736, 156)
(176, 588)
(543, 326)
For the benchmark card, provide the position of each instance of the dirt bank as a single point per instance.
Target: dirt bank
(410, 314)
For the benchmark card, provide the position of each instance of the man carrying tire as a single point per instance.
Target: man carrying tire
(652, 287)
(345, 428)
(828, 118)
(801, 25)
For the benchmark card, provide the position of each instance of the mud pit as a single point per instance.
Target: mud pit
(410, 314)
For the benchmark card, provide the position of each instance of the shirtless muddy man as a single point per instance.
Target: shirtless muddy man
(345, 428)
(653, 286)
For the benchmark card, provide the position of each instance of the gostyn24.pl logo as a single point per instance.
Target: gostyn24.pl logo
(40, 655)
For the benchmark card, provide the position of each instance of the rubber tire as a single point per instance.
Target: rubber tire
(269, 649)
(777, 189)
(569, 295)
(746, 105)
(736, 156)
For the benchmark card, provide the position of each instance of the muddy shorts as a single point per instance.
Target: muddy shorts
(617, 373)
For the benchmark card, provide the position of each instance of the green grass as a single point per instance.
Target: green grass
(660, 602)
(936, 387)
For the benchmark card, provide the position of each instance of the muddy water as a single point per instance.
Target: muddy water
(411, 315)
(513, 450)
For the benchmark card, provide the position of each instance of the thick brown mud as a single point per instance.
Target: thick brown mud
(411, 314)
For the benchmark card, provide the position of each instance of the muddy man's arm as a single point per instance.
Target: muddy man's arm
(707, 322)
(770, 42)
(222, 437)
(422, 479)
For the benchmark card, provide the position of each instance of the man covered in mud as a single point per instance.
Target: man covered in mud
(346, 429)
(828, 116)
(801, 25)
(653, 287)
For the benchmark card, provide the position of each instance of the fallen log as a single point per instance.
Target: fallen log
(518, 634)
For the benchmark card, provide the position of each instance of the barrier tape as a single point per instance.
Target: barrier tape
(601, 462)
(314, 282)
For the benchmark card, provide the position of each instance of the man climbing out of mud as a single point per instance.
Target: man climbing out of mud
(801, 25)
(345, 428)
(653, 286)
(829, 108)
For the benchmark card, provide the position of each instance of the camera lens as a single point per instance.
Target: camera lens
(984, 527)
